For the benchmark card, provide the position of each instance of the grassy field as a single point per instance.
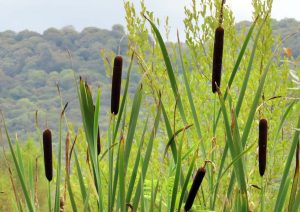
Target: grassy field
(213, 125)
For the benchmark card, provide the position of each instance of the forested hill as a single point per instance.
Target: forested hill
(283, 28)
(32, 63)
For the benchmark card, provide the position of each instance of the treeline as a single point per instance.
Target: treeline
(31, 64)
(283, 28)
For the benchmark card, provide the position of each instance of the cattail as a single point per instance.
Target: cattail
(262, 145)
(116, 85)
(61, 204)
(194, 189)
(217, 58)
(47, 145)
(98, 142)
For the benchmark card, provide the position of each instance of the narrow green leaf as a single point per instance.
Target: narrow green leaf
(186, 181)
(169, 69)
(136, 165)
(281, 195)
(147, 158)
(20, 174)
(122, 176)
(177, 175)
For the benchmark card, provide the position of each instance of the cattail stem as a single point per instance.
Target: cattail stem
(194, 189)
(217, 58)
(47, 145)
(262, 145)
(49, 197)
(116, 85)
(221, 13)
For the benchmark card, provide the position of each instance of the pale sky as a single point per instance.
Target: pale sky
(39, 15)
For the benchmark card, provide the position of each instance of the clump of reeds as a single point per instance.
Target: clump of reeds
(218, 53)
(116, 85)
(195, 187)
(262, 145)
(47, 146)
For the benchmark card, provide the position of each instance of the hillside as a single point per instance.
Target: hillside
(283, 28)
(32, 64)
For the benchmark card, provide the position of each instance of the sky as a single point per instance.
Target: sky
(38, 15)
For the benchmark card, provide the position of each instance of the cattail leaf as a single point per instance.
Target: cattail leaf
(19, 156)
(248, 71)
(286, 113)
(132, 123)
(20, 174)
(186, 181)
(169, 132)
(296, 203)
(169, 70)
(146, 160)
(136, 165)
(122, 176)
(238, 167)
(238, 157)
(86, 202)
(71, 195)
(295, 181)
(177, 174)
(173, 137)
(96, 150)
(153, 194)
(281, 195)
(80, 178)
(115, 178)
(190, 98)
(280, 204)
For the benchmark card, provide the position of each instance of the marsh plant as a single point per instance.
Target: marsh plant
(173, 144)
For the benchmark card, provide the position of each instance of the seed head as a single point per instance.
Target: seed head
(217, 58)
(47, 146)
(116, 84)
(194, 189)
(262, 145)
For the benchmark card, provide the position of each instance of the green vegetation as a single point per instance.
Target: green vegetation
(170, 125)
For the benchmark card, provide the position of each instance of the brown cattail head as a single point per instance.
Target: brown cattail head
(61, 204)
(194, 189)
(116, 84)
(217, 58)
(262, 145)
(98, 142)
(47, 145)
